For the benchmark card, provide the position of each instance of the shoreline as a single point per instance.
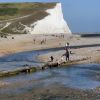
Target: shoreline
(25, 42)
(84, 55)
(77, 56)
(83, 48)
(81, 51)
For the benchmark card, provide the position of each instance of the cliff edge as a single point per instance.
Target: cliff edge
(32, 18)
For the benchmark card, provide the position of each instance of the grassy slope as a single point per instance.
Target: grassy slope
(15, 10)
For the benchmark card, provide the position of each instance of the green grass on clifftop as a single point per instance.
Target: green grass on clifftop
(21, 14)
(13, 10)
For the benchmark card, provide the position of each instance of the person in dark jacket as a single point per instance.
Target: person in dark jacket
(52, 58)
(67, 55)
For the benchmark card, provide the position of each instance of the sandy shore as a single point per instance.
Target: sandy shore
(26, 43)
(88, 54)
(77, 56)
(22, 43)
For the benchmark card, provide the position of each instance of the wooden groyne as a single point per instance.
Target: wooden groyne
(56, 64)
(18, 71)
(27, 69)
(30, 69)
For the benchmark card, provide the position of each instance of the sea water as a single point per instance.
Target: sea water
(81, 76)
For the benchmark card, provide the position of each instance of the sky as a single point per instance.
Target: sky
(81, 15)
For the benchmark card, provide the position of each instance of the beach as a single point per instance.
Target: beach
(20, 43)
(85, 50)
(25, 42)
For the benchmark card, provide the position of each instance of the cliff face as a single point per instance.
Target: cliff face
(53, 23)
(39, 18)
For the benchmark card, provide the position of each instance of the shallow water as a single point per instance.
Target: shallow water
(13, 61)
(83, 76)
(86, 76)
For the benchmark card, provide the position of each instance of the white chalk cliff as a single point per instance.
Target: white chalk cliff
(51, 24)
(51, 21)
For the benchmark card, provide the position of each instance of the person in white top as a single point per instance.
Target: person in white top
(67, 46)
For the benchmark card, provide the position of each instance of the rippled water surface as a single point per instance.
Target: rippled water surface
(10, 62)
(83, 76)
(75, 76)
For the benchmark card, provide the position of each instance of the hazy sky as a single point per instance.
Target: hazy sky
(81, 15)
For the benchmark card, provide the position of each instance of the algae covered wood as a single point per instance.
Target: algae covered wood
(18, 71)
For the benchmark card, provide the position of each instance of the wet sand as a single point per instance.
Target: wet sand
(83, 51)
(78, 56)
(54, 92)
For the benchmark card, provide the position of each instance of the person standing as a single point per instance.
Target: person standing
(34, 40)
(67, 46)
(45, 40)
